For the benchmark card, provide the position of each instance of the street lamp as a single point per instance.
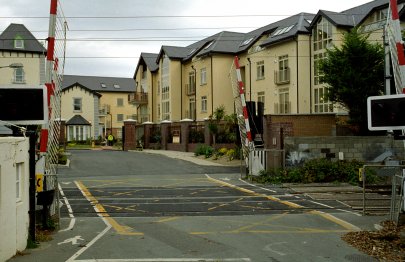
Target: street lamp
(13, 65)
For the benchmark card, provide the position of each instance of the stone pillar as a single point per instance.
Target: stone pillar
(185, 131)
(130, 135)
(147, 133)
(207, 133)
(62, 133)
(164, 129)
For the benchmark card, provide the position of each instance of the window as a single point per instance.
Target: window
(120, 102)
(19, 76)
(321, 103)
(203, 76)
(322, 34)
(120, 117)
(103, 85)
(204, 104)
(260, 70)
(317, 74)
(166, 110)
(283, 75)
(18, 181)
(191, 83)
(116, 86)
(19, 42)
(283, 30)
(284, 101)
(191, 108)
(247, 41)
(260, 98)
(77, 104)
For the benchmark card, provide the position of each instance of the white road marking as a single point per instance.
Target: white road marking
(266, 189)
(72, 240)
(72, 217)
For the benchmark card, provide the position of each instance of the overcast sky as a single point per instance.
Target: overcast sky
(106, 37)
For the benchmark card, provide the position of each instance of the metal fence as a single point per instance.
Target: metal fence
(383, 189)
(265, 159)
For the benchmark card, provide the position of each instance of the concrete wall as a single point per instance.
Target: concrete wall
(368, 149)
(14, 220)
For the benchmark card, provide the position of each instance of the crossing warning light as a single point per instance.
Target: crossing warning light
(386, 112)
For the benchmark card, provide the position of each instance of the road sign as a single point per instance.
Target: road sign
(39, 181)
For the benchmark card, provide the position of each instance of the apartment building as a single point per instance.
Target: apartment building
(279, 65)
(18, 45)
(96, 106)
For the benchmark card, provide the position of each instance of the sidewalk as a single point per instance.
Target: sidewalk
(190, 157)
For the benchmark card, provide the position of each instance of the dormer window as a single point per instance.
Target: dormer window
(116, 86)
(19, 42)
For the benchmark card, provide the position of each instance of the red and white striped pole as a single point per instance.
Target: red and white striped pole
(242, 97)
(50, 86)
(398, 40)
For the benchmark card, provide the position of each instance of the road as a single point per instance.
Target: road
(134, 206)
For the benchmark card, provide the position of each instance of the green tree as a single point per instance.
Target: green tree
(354, 72)
(214, 121)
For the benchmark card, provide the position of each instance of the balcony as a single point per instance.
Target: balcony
(104, 110)
(190, 89)
(138, 98)
(282, 108)
(282, 76)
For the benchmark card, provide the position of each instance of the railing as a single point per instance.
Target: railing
(282, 76)
(282, 108)
(104, 110)
(138, 98)
(190, 89)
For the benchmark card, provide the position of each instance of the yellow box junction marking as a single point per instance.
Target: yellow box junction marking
(120, 229)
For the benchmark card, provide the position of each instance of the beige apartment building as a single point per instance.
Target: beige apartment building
(279, 66)
(96, 106)
(19, 46)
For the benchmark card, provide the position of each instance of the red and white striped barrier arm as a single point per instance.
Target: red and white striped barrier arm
(398, 40)
(242, 97)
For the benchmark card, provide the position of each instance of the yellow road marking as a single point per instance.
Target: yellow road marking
(120, 229)
(259, 223)
(287, 203)
(167, 219)
(212, 208)
(336, 220)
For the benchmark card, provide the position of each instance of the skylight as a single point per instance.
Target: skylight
(210, 44)
(116, 86)
(192, 51)
(283, 30)
(247, 41)
(103, 85)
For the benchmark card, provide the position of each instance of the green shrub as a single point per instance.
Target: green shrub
(316, 171)
(205, 150)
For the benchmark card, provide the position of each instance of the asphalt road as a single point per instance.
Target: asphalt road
(134, 206)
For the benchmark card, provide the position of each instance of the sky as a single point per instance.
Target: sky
(106, 37)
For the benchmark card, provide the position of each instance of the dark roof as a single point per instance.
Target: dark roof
(224, 42)
(77, 120)
(94, 83)
(81, 86)
(31, 44)
(149, 60)
(288, 28)
(353, 16)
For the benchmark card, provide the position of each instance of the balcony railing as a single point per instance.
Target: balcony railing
(104, 110)
(282, 108)
(190, 89)
(138, 98)
(282, 76)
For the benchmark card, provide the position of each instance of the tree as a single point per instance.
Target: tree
(354, 72)
(214, 121)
